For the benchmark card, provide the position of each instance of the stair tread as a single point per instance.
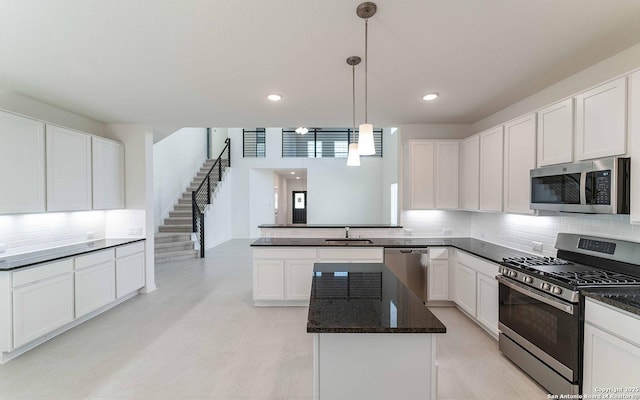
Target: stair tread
(169, 244)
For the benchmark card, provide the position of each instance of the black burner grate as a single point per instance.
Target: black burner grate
(596, 277)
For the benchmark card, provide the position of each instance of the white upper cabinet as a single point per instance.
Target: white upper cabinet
(491, 157)
(22, 170)
(431, 171)
(519, 159)
(634, 139)
(601, 121)
(419, 180)
(68, 170)
(555, 133)
(447, 164)
(108, 174)
(470, 173)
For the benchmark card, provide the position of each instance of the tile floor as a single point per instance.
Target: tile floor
(199, 337)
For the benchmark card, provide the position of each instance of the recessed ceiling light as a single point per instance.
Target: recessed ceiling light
(430, 96)
(297, 177)
(292, 173)
(274, 97)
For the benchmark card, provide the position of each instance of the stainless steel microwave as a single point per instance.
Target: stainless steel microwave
(592, 187)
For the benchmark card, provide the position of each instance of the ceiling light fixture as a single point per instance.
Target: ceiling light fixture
(353, 157)
(366, 145)
(274, 97)
(302, 130)
(430, 96)
(292, 173)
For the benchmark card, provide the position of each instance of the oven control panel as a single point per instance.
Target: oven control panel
(598, 246)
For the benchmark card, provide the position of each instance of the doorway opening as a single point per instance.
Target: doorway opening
(299, 208)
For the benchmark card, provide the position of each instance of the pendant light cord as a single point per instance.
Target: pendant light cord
(353, 80)
(366, 61)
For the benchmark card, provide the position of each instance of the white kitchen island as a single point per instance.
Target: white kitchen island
(373, 338)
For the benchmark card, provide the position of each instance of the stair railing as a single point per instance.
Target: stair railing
(201, 197)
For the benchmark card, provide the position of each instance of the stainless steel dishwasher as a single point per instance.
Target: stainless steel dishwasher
(410, 266)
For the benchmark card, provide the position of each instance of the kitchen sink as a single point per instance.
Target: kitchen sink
(347, 242)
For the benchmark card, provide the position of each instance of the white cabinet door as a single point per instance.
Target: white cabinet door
(466, 289)
(446, 173)
(601, 121)
(487, 302)
(21, 165)
(68, 170)
(95, 287)
(419, 178)
(519, 159)
(129, 274)
(40, 308)
(298, 276)
(470, 173)
(268, 279)
(634, 140)
(609, 362)
(438, 280)
(555, 134)
(108, 174)
(491, 157)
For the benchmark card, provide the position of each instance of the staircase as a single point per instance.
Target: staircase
(174, 241)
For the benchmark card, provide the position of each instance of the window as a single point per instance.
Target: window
(254, 143)
(324, 143)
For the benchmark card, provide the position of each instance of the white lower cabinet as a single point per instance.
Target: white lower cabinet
(611, 349)
(130, 263)
(477, 290)
(487, 302)
(438, 274)
(43, 304)
(466, 289)
(95, 281)
(283, 275)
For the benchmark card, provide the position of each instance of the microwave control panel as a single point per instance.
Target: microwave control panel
(602, 181)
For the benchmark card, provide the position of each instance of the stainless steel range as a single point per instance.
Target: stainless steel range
(541, 310)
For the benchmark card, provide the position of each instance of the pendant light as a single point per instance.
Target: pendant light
(366, 145)
(353, 159)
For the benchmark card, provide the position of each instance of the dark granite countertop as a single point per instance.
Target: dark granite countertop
(488, 251)
(382, 226)
(26, 259)
(627, 298)
(365, 298)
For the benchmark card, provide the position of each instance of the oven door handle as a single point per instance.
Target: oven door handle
(562, 306)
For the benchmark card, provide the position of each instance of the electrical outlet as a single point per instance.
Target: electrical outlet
(135, 231)
(408, 232)
(536, 246)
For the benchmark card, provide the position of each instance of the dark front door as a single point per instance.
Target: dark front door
(300, 207)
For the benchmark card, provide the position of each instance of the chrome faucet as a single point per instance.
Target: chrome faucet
(346, 232)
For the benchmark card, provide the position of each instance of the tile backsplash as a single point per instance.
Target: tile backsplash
(517, 231)
(31, 232)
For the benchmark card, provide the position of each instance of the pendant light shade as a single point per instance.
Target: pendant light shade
(366, 147)
(353, 160)
(353, 157)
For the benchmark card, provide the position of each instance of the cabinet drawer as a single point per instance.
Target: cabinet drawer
(94, 258)
(340, 253)
(482, 266)
(285, 252)
(438, 253)
(41, 272)
(617, 322)
(123, 251)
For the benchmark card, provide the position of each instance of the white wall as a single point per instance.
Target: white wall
(390, 169)
(261, 199)
(138, 160)
(337, 193)
(218, 136)
(176, 160)
(281, 188)
(28, 107)
(612, 67)
(218, 221)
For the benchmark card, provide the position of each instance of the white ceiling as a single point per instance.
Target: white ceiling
(212, 62)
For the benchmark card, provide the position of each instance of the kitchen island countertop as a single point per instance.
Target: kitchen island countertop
(365, 298)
